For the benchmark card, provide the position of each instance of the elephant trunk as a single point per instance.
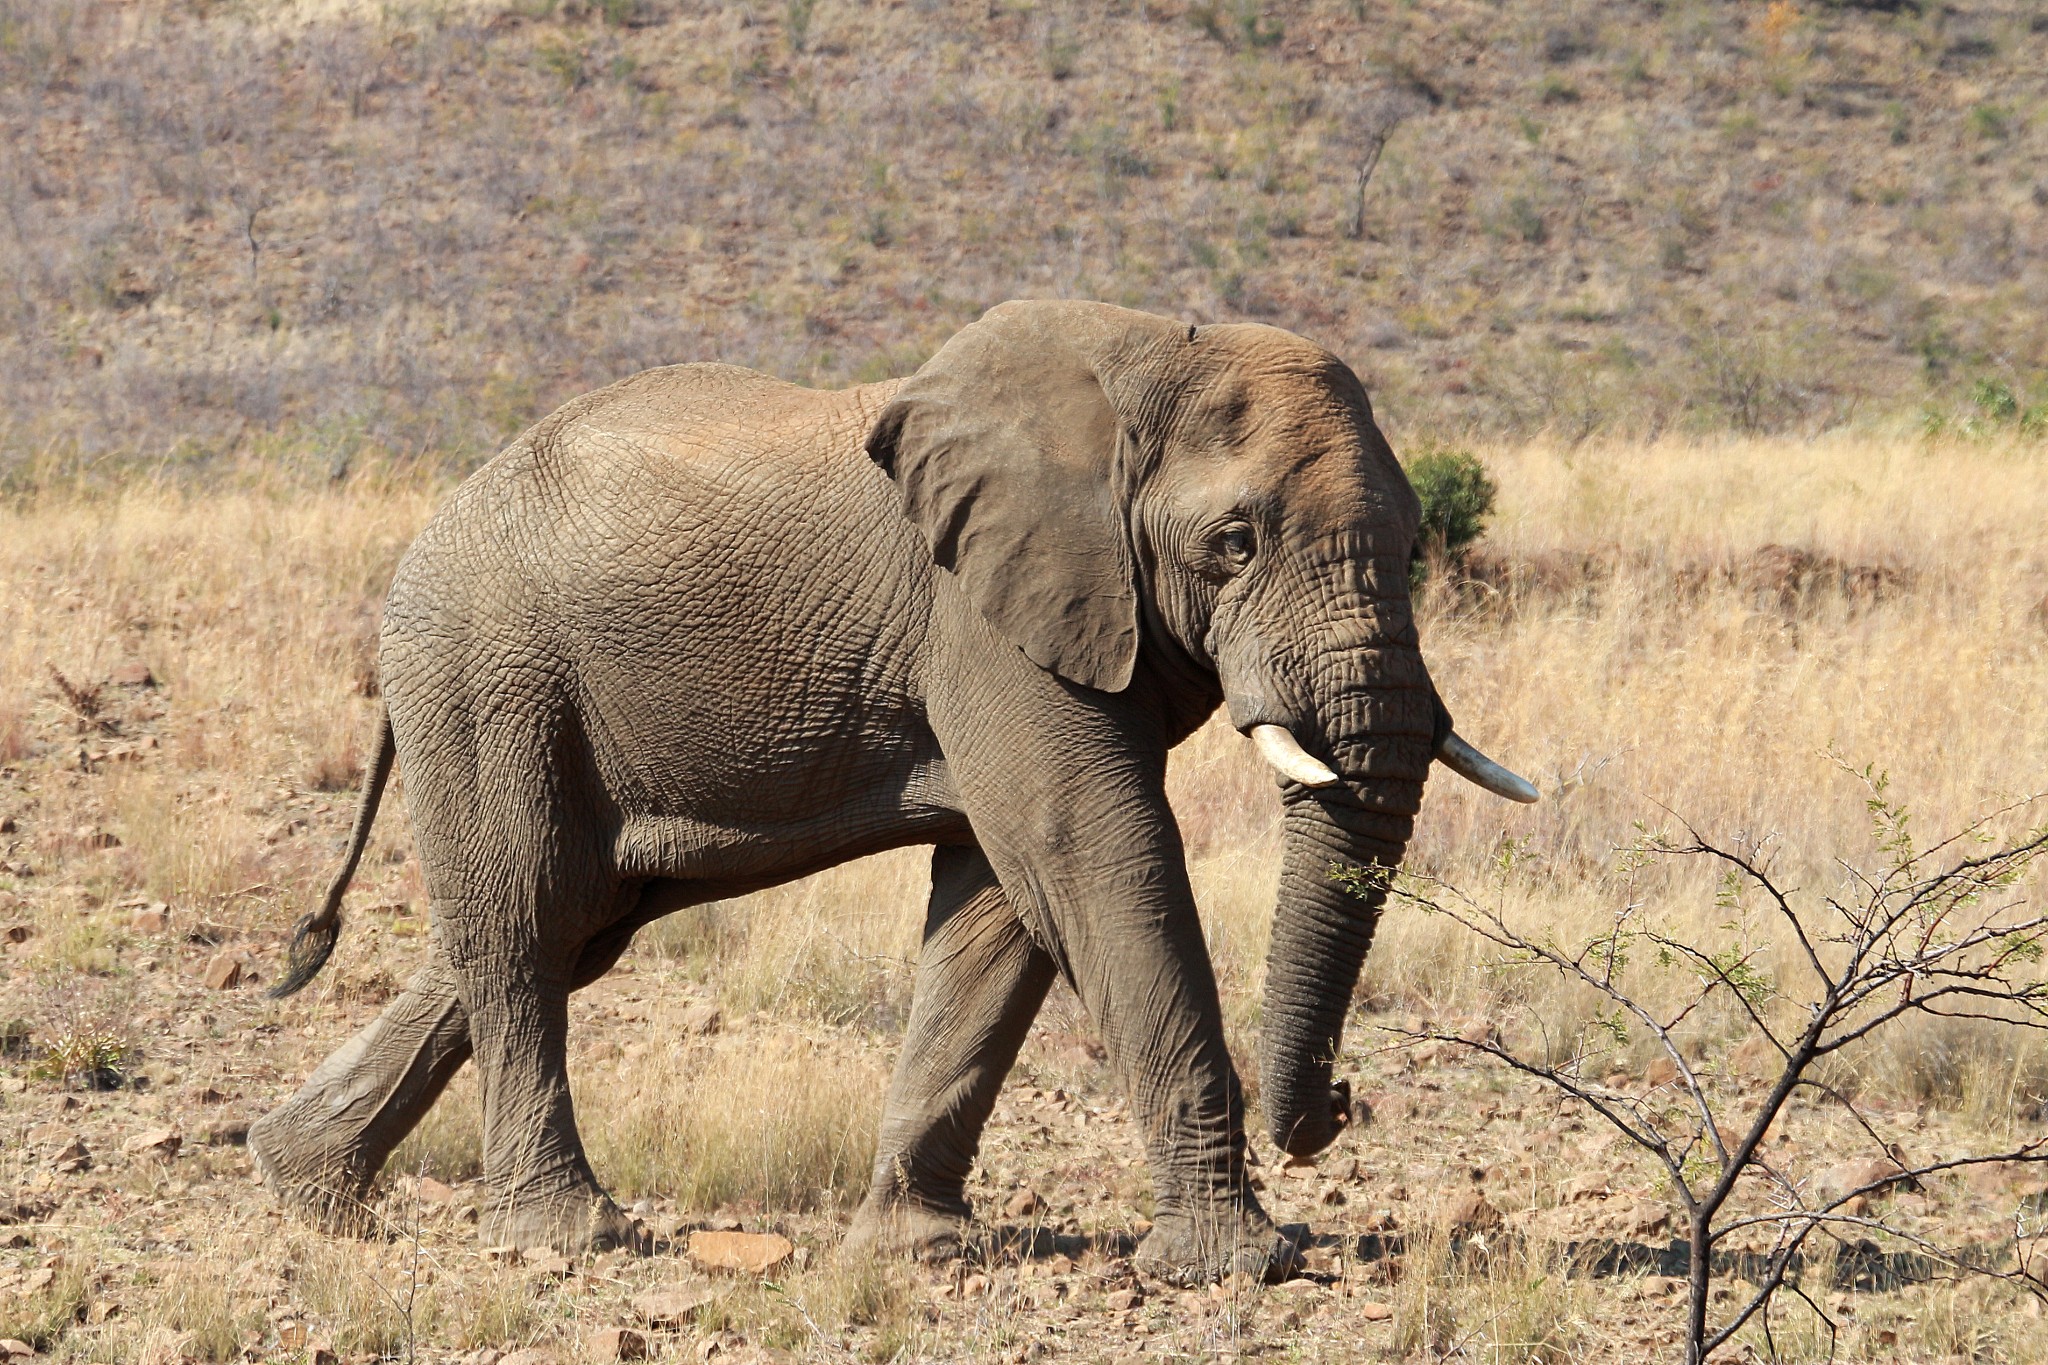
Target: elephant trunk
(1381, 737)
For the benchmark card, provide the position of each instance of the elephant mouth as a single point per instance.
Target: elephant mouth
(1283, 752)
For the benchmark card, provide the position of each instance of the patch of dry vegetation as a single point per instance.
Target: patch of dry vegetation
(1651, 671)
(320, 233)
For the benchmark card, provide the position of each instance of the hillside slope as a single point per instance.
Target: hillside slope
(315, 231)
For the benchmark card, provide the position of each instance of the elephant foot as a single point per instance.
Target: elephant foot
(327, 1188)
(573, 1223)
(900, 1228)
(1203, 1247)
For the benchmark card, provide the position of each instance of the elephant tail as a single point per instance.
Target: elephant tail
(314, 936)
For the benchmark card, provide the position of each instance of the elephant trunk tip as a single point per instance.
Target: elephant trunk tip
(313, 941)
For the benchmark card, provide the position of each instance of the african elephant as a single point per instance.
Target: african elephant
(704, 631)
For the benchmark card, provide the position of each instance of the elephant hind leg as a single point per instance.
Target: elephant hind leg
(322, 1148)
(542, 1189)
(980, 982)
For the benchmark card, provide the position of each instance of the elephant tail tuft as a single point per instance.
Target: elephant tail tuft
(315, 935)
(313, 941)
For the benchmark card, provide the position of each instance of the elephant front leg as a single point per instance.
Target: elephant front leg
(322, 1148)
(980, 982)
(1070, 807)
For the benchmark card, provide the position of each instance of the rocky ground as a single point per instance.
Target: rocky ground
(1472, 1215)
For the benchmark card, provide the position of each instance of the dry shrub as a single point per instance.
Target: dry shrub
(198, 1301)
(772, 1121)
(41, 1317)
(847, 1291)
(448, 1144)
(377, 1300)
(836, 947)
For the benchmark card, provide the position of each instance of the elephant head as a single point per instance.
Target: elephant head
(1108, 485)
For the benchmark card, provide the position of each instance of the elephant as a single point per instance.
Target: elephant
(705, 631)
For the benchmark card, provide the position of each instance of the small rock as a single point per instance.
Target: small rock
(1836, 1182)
(133, 673)
(500, 1255)
(165, 1347)
(1471, 1212)
(1344, 1169)
(430, 1190)
(18, 933)
(1298, 1168)
(86, 836)
(39, 1280)
(1024, 1204)
(1123, 1300)
(701, 1020)
(230, 1133)
(74, 1157)
(162, 1143)
(8, 825)
(1478, 1031)
(544, 1264)
(615, 1343)
(224, 972)
(14, 1348)
(974, 1286)
(1372, 1310)
(532, 1355)
(292, 1335)
(1661, 1071)
(672, 1308)
(1661, 1286)
(1590, 1186)
(745, 1253)
(1757, 1058)
(153, 918)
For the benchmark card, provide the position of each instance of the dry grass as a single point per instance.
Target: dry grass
(1627, 656)
(761, 1121)
(319, 231)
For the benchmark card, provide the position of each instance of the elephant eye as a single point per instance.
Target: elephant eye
(1234, 546)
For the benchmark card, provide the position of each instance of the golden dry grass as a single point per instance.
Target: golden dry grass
(1640, 671)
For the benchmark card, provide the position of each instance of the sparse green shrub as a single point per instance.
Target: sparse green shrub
(1457, 496)
(1526, 222)
(1991, 123)
(1995, 399)
(1236, 23)
(796, 22)
(1060, 50)
(90, 1057)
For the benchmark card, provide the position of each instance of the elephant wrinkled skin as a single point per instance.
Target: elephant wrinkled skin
(703, 631)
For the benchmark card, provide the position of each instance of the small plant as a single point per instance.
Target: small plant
(1934, 933)
(563, 61)
(88, 1057)
(1059, 50)
(1457, 496)
(1526, 222)
(1991, 122)
(1236, 23)
(1899, 123)
(796, 22)
(1995, 399)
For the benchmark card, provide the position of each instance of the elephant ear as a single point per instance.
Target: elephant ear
(1008, 449)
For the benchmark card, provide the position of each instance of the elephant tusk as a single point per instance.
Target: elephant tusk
(1278, 746)
(1476, 768)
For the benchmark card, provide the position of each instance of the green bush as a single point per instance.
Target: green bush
(1457, 497)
